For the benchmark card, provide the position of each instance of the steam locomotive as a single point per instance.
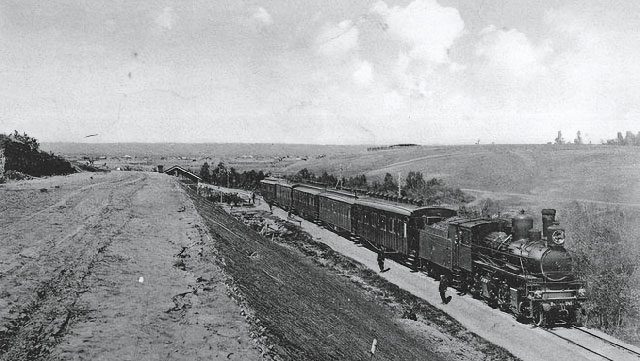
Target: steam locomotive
(504, 260)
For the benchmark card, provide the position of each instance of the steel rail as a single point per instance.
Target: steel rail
(577, 344)
(607, 341)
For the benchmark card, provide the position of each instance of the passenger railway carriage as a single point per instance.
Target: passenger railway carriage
(268, 189)
(335, 209)
(394, 226)
(503, 261)
(283, 195)
(305, 201)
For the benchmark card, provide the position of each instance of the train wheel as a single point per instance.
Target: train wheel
(504, 297)
(540, 317)
(522, 312)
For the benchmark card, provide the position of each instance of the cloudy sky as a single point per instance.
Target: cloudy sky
(311, 71)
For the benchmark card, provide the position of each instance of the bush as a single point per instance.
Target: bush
(15, 175)
(604, 259)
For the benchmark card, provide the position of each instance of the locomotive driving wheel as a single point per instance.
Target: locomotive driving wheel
(539, 317)
(504, 297)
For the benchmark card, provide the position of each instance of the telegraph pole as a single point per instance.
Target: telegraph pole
(399, 188)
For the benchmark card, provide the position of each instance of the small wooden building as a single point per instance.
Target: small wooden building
(183, 174)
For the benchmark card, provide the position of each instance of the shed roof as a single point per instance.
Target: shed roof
(179, 169)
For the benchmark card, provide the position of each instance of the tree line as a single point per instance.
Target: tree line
(431, 191)
(628, 139)
(229, 177)
(22, 155)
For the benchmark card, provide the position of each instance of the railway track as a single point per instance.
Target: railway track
(615, 344)
(595, 344)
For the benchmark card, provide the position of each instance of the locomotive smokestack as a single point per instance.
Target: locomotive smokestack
(548, 219)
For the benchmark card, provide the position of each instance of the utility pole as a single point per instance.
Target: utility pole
(399, 188)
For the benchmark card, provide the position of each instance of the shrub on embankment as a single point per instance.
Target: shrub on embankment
(605, 258)
(21, 153)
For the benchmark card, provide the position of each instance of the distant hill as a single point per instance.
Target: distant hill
(600, 173)
(196, 150)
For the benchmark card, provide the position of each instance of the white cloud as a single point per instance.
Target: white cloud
(166, 19)
(456, 67)
(394, 102)
(262, 15)
(428, 28)
(337, 40)
(363, 75)
(510, 54)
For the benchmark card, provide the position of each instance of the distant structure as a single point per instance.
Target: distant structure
(578, 139)
(629, 139)
(183, 174)
(559, 139)
(160, 168)
(395, 146)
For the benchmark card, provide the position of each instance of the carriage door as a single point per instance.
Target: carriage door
(455, 246)
(464, 250)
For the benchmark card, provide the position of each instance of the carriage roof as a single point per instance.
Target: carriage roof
(336, 195)
(308, 189)
(404, 208)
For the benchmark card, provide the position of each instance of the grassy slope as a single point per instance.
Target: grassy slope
(569, 172)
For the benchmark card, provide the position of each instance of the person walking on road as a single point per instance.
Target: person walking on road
(444, 283)
(381, 260)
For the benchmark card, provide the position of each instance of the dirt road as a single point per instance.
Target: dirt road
(97, 267)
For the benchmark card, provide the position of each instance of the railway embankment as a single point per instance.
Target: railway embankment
(523, 340)
(306, 301)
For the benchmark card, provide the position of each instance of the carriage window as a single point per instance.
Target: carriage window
(383, 223)
(390, 225)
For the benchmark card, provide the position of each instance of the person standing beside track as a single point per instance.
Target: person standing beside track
(381, 260)
(444, 283)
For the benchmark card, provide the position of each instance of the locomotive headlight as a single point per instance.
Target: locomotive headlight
(558, 237)
(582, 292)
(537, 294)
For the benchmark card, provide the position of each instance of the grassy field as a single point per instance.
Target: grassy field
(568, 172)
